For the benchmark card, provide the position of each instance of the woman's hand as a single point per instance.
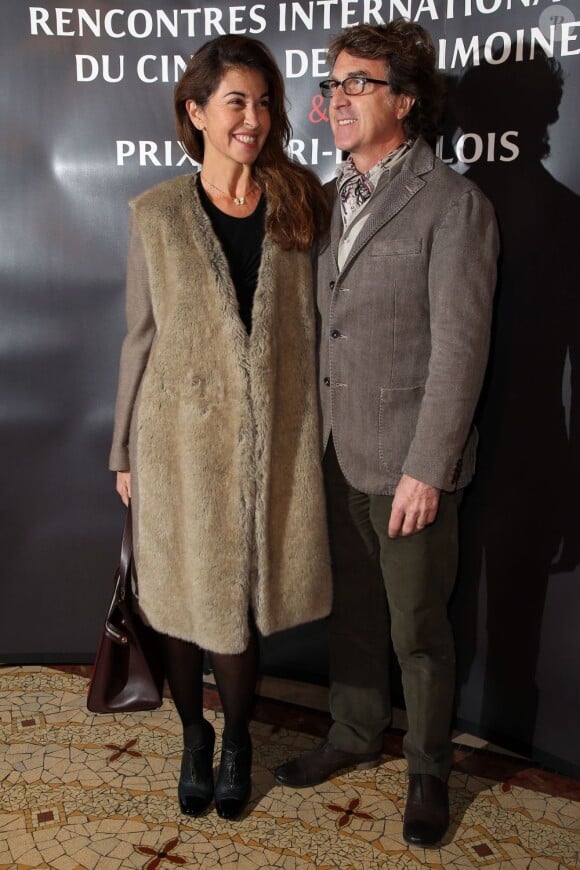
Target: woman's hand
(124, 486)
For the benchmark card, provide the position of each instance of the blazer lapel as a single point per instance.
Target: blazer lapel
(335, 228)
(390, 201)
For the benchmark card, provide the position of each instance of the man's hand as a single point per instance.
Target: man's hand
(415, 505)
(124, 486)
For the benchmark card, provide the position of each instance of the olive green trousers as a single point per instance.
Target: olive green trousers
(387, 588)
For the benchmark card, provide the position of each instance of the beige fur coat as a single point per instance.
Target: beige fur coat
(220, 432)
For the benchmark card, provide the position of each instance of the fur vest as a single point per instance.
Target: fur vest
(224, 444)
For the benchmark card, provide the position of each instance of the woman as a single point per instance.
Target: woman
(216, 430)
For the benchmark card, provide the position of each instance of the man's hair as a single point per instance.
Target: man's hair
(410, 66)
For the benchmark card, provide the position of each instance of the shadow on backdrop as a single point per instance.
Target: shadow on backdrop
(520, 514)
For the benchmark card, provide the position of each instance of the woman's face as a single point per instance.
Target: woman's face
(236, 119)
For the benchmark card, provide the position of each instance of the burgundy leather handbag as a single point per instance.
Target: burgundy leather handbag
(128, 672)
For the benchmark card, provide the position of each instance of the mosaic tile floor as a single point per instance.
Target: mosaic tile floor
(83, 791)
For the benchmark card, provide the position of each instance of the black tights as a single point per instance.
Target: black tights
(235, 677)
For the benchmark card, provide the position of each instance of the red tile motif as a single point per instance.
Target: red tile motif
(483, 850)
(127, 749)
(162, 854)
(348, 812)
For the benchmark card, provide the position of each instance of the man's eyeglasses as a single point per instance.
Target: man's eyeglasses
(352, 85)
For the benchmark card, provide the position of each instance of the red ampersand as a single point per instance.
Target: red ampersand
(318, 113)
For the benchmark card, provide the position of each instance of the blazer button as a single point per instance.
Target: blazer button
(331, 285)
(327, 381)
(335, 333)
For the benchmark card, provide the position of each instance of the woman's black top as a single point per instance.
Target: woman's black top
(241, 239)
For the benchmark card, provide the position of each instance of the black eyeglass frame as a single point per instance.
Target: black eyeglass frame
(331, 85)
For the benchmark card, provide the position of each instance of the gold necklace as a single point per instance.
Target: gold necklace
(237, 200)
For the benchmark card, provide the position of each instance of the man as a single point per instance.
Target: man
(405, 285)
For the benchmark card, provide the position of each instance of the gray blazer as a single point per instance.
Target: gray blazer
(404, 328)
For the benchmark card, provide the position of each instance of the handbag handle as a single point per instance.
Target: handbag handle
(126, 552)
(122, 577)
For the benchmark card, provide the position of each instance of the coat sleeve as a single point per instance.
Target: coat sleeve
(136, 347)
(461, 278)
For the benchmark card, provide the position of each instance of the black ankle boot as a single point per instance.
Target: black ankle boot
(195, 788)
(233, 786)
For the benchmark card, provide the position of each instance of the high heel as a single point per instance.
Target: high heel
(195, 787)
(234, 785)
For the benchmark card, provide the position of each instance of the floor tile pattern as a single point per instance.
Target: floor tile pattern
(83, 791)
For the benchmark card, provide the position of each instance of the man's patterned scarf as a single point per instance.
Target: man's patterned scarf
(355, 188)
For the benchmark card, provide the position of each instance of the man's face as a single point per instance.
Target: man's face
(368, 125)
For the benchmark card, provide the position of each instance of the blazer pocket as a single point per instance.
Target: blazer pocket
(398, 415)
(396, 247)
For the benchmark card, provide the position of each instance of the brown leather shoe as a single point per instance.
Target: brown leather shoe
(427, 812)
(322, 763)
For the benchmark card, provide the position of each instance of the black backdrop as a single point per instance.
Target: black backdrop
(86, 123)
